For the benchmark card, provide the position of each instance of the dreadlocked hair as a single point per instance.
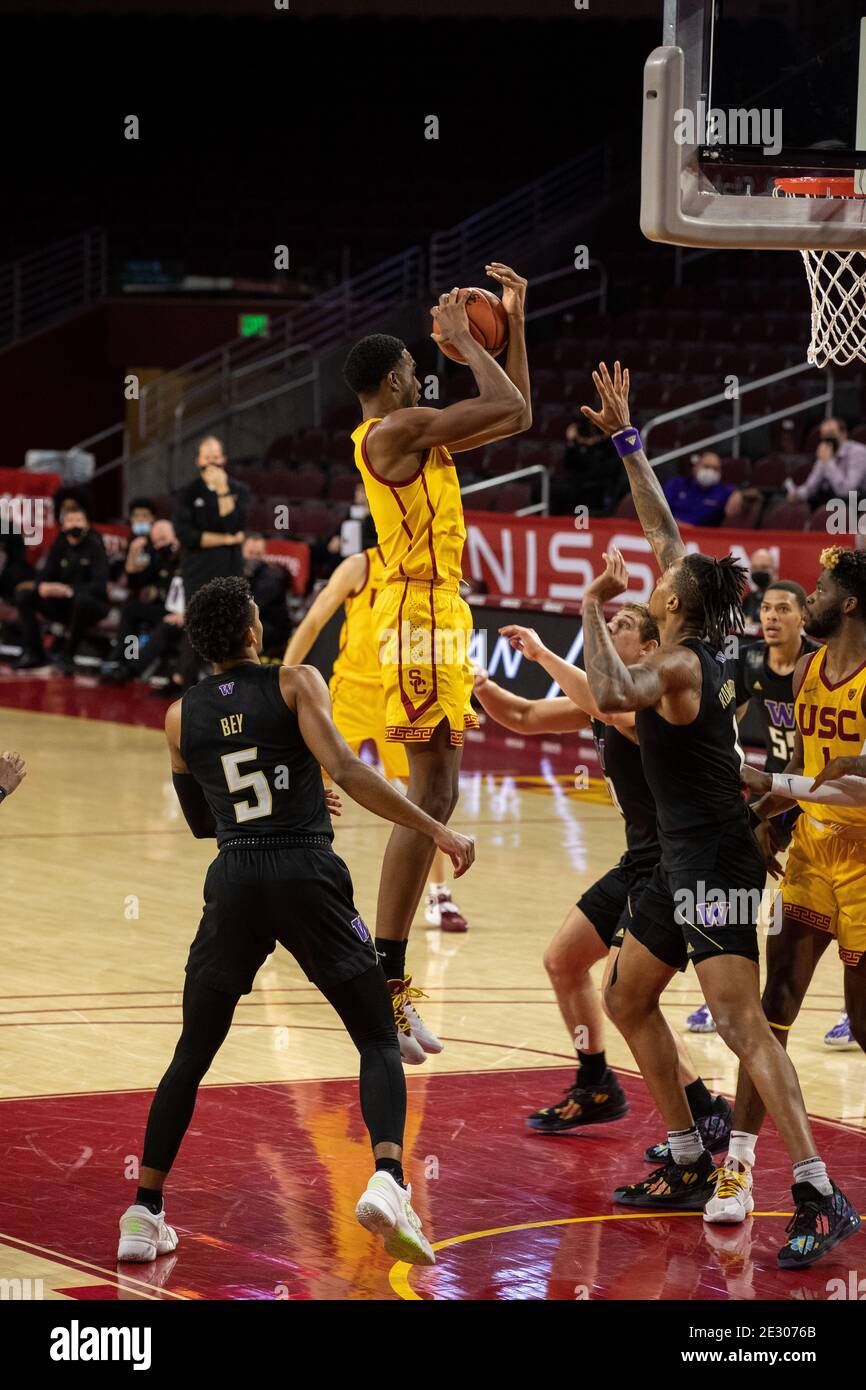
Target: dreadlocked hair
(711, 592)
(848, 568)
(217, 618)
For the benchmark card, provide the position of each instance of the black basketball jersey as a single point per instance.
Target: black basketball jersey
(620, 761)
(693, 770)
(242, 744)
(774, 697)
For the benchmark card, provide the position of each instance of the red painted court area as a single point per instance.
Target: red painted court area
(264, 1190)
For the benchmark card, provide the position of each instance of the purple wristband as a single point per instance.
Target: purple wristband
(626, 441)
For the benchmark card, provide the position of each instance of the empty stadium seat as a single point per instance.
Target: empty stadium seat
(788, 516)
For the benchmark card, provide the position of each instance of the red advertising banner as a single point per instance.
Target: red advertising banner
(548, 559)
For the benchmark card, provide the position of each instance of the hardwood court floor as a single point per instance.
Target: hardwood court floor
(102, 896)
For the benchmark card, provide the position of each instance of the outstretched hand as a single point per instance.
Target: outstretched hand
(612, 581)
(613, 395)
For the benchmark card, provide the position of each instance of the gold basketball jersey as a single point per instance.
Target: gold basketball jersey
(358, 656)
(419, 521)
(832, 721)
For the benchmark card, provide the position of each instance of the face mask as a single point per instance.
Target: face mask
(250, 567)
(760, 578)
(165, 550)
(76, 532)
(141, 528)
(707, 477)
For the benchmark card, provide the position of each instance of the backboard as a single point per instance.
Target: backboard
(742, 94)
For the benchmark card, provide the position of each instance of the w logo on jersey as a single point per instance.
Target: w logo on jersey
(360, 926)
(227, 689)
(781, 715)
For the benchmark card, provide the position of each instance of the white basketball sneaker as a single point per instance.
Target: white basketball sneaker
(732, 1200)
(411, 1050)
(143, 1236)
(417, 1027)
(385, 1208)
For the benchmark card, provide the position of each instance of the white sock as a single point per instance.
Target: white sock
(686, 1145)
(741, 1149)
(814, 1171)
(437, 888)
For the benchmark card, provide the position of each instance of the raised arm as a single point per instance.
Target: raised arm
(570, 679)
(304, 691)
(516, 360)
(521, 716)
(652, 506)
(347, 578)
(404, 433)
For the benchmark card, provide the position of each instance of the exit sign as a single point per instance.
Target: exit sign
(254, 325)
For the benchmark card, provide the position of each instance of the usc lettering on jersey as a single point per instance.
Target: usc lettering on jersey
(832, 722)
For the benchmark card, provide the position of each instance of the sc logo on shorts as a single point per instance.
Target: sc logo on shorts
(360, 926)
(416, 680)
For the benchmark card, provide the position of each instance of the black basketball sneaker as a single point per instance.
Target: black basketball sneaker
(582, 1105)
(817, 1225)
(673, 1187)
(714, 1129)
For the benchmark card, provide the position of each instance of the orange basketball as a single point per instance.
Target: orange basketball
(488, 323)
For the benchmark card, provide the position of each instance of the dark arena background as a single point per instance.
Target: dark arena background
(206, 206)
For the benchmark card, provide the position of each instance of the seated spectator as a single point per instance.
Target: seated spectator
(162, 649)
(589, 476)
(703, 499)
(268, 583)
(151, 562)
(142, 515)
(15, 564)
(763, 572)
(839, 467)
(70, 590)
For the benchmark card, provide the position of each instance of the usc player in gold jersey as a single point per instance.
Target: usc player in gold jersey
(823, 888)
(422, 626)
(359, 713)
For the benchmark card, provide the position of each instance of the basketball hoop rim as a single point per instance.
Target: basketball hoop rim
(818, 186)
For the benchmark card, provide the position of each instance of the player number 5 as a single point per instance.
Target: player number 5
(237, 781)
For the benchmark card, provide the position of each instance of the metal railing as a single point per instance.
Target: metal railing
(510, 227)
(739, 428)
(542, 507)
(313, 327)
(599, 293)
(52, 284)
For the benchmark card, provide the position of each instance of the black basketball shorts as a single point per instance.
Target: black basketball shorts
(299, 895)
(609, 902)
(703, 899)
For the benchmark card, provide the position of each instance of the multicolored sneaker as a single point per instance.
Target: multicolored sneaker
(840, 1035)
(817, 1225)
(411, 1050)
(701, 1021)
(672, 1187)
(714, 1129)
(442, 911)
(417, 1027)
(582, 1105)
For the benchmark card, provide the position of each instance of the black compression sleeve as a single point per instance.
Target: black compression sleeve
(198, 815)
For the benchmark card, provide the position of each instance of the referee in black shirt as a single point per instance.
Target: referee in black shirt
(210, 520)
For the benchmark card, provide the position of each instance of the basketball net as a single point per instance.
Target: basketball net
(837, 282)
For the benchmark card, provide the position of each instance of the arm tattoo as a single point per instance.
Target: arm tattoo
(654, 513)
(607, 674)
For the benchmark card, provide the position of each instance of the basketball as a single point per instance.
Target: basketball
(488, 323)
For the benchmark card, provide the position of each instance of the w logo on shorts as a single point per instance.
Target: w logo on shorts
(360, 926)
(714, 914)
